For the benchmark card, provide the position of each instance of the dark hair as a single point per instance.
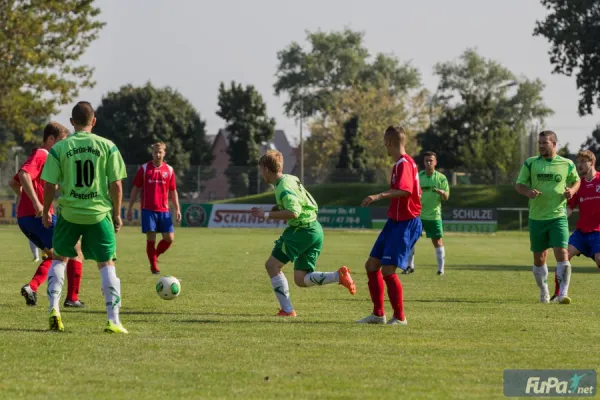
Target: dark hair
(83, 113)
(429, 154)
(551, 135)
(54, 129)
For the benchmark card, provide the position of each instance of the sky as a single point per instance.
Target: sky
(194, 45)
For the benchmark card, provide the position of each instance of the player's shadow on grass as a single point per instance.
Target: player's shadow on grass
(2, 329)
(273, 320)
(128, 312)
(513, 268)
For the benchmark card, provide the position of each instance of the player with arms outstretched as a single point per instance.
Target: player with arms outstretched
(156, 181)
(401, 232)
(586, 237)
(435, 190)
(548, 181)
(29, 188)
(89, 170)
(302, 240)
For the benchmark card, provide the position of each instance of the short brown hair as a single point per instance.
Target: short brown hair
(550, 135)
(83, 113)
(587, 155)
(272, 160)
(429, 154)
(159, 145)
(396, 134)
(54, 129)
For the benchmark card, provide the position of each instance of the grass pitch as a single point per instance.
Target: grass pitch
(219, 339)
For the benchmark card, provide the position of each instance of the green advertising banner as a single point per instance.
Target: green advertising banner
(194, 215)
(345, 217)
(471, 226)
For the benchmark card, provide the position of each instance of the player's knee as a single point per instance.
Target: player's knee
(370, 266)
(169, 239)
(597, 259)
(299, 281)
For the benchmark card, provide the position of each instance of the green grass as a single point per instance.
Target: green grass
(220, 340)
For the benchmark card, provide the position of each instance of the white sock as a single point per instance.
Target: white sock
(440, 254)
(56, 280)
(282, 291)
(34, 250)
(321, 278)
(111, 288)
(411, 258)
(541, 278)
(563, 273)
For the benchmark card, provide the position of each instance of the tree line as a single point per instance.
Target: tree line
(477, 118)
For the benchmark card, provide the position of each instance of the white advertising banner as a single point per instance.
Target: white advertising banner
(239, 216)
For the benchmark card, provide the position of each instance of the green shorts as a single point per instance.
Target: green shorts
(302, 246)
(433, 229)
(548, 234)
(98, 241)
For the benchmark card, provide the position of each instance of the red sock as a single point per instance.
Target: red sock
(40, 275)
(74, 271)
(151, 251)
(163, 246)
(394, 288)
(556, 285)
(376, 292)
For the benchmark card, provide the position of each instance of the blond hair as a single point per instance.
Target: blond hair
(396, 134)
(160, 145)
(272, 160)
(587, 155)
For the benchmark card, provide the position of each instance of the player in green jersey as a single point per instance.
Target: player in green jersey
(301, 241)
(435, 189)
(548, 181)
(88, 169)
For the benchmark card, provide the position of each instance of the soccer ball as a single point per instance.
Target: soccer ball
(168, 287)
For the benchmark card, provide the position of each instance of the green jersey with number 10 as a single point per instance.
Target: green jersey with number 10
(84, 165)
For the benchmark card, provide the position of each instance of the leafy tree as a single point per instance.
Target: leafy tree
(41, 42)
(573, 29)
(592, 143)
(481, 126)
(335, 62)
(135, 117)
(564, 151)
(352, 163)
(248, 126)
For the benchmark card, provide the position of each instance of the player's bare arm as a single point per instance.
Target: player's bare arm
(116, 195)
(27, 185)
(49, 192)
(132, 199)
(15, 186)
(175, 199)
(445, 196)
(570, 191)
(388, 194)
(281, 214)
(527, 191)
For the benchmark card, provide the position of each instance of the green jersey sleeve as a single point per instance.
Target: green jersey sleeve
(116, 170)
(52, 172)
(290, 202)
(572, 176)
(525, 174)
(444, 185)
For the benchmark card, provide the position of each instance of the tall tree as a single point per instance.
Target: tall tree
(335, 62)
(135, 117)
(564, 151)
(248, 126)
(573, 29)
(352, 163)
(481, 126)
(376, 109)
(592, 143)
(41, 42)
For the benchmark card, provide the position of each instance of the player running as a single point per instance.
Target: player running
(302, 240)
(29, 187)
(548, 181)
(586, 237)
(156, 180)
(435, 189)
(401, 232)
(89, 170)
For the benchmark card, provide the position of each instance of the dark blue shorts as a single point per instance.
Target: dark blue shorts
(153, 221)
(587, 243)
(396, 240)
(35, 231)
